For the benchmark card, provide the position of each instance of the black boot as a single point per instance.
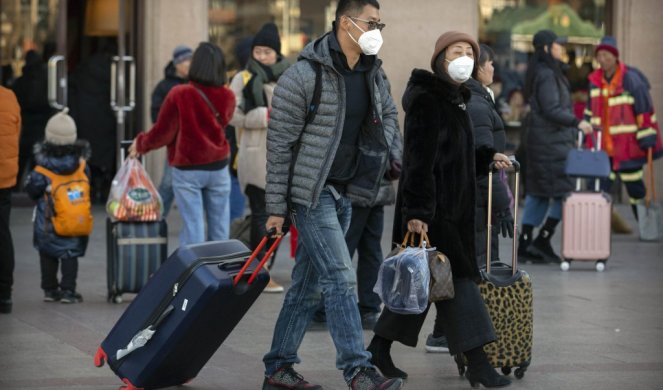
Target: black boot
(380, 348)
(541, 245)
(524, 241)
(479, 370)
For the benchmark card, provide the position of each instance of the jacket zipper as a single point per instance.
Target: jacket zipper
(177, 287)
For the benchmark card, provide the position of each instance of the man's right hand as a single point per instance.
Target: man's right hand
(275, 222)
(417, 226)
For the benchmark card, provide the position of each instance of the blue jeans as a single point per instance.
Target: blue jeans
(536, 208)
(166, 189)
(237, 200)
(322, 264)
(203, 196)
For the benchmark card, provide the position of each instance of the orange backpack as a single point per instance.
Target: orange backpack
(71, 212)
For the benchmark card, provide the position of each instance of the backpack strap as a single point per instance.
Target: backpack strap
(44, 171)
(312, 109)
(210, 105)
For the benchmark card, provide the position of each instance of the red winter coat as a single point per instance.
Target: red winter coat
(623, 109)
(187, 126)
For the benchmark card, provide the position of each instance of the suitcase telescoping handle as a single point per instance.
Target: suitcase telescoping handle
(596, 141)
(514, 245)
(271, 250)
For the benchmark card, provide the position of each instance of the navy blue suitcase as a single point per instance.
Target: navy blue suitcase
(183, 314)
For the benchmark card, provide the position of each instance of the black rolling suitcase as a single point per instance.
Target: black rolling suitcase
(507, 293)
(135, 251)
(183, 314)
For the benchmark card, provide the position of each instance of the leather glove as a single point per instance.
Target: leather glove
(648, 141)
(505, 223)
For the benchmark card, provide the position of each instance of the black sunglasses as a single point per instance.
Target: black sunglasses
(371, 24)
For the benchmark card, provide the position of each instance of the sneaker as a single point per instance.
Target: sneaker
(370, 379)
(52, 295)
(437, 344)
(287, 378)
(368, 320)
(273, 287)
(71, 297)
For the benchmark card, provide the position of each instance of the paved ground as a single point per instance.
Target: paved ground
(592, 330)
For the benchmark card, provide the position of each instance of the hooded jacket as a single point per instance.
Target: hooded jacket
(10, 130)
(62, 160)
(438, 184)
(170, 81)
(311, 151)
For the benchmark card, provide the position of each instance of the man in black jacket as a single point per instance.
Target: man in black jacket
(175, 73)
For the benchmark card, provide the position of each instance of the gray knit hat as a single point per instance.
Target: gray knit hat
(61, 129)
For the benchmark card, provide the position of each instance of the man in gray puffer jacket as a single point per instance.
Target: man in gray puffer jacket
(318, 169)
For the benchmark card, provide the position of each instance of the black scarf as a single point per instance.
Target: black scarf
(254, 95)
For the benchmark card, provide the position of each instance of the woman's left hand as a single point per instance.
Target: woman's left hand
(501, 161)
(133, 152)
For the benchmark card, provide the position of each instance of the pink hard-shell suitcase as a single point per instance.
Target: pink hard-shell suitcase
(586, 227)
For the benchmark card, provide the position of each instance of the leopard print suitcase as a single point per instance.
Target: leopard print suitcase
(507, 293)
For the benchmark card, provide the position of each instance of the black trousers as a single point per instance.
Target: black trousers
(365, 236)
(465, 320)
(259, 217)
(49, 272)
(6, 246)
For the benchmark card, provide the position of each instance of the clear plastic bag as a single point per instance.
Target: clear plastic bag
(403, 281)
(133, 196)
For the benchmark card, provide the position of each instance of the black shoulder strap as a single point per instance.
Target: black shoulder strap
(209, 104)
(317, 92)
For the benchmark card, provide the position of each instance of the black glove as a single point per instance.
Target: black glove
(505, 223)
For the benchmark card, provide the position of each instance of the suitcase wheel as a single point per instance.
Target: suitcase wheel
(100, 357)
(520, 372)
(565, 265)
(600, 266)
(506, 370)
(116, 298)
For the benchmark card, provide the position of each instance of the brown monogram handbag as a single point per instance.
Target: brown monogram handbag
(441, 278)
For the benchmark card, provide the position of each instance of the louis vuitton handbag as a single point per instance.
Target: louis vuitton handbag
(441, 278)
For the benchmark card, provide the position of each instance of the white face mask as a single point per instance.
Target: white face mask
(461, 68)
(369, 41)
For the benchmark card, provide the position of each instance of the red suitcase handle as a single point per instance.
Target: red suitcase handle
(271, 250)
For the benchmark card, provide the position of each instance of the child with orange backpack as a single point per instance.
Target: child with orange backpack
(60, 184)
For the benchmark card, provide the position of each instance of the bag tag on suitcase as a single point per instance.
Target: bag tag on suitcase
(514, 327)
(142, 337)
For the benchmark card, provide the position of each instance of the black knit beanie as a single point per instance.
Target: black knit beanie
(268, 36)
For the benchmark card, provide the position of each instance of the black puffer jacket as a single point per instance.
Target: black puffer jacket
(551, 133)
(438, 183)
(488, 132)
(61, 160)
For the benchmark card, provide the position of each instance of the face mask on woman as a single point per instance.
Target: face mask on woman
(460, 69)
(369, 41)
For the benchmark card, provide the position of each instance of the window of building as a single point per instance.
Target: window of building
(509, 25)
(25, 25)
(299, 22)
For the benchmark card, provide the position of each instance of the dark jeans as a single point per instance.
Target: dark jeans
(259, 216)
(365, 236)
(6, 246)
(464, 319)
(49, 272)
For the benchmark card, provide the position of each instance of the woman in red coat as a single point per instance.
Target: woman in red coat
(192, 124)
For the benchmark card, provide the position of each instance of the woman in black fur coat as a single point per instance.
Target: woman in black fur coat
(437, 195)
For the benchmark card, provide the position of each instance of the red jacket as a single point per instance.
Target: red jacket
(623, 109)
(188, 127)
